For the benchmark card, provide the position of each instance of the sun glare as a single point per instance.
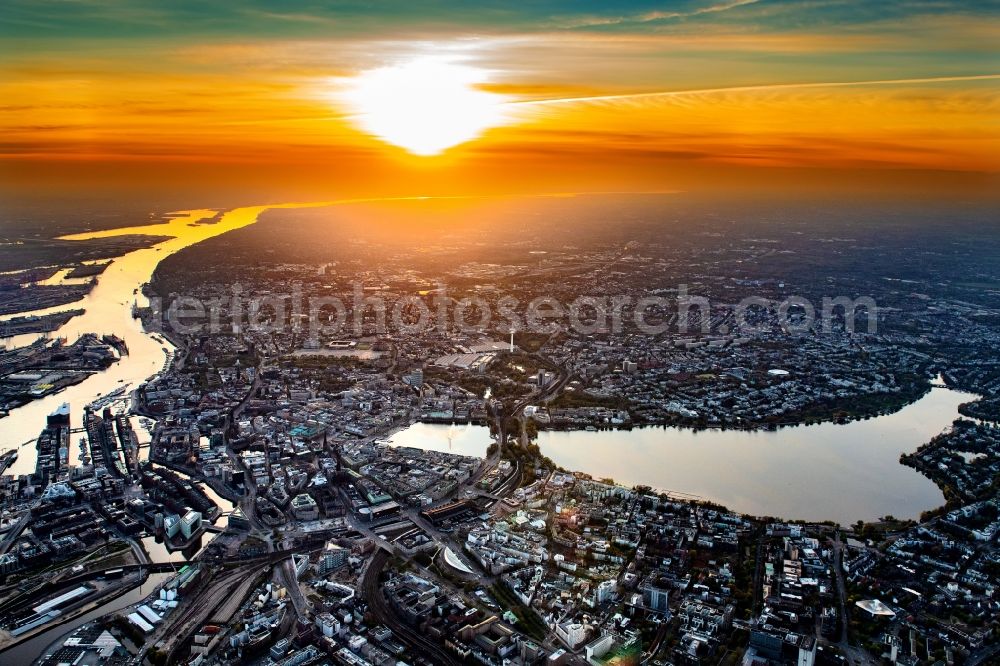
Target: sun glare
(424, 106)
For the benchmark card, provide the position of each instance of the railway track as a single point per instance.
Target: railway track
(380, 608)
(220, 598)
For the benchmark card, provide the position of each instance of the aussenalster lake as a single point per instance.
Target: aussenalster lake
(840, 472)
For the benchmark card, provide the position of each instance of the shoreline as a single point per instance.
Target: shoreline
(92, 605)
(879, 484)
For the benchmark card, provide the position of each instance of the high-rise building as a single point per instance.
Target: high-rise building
(333, 557)
(572, 634)
(304, 507)
(655, 595)
(190, 523)
(60, 417)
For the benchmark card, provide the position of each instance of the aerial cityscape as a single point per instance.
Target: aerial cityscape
(393, 334)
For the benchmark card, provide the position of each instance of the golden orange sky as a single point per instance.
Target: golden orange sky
(594, 97)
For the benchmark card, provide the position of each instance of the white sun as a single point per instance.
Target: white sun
(425, 105)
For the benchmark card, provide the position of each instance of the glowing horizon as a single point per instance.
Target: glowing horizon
(402, 100)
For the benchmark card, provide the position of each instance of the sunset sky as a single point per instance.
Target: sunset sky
(280, 98)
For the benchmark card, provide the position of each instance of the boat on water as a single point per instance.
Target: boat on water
(7, 459)
(117, 343)
(108, 398)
